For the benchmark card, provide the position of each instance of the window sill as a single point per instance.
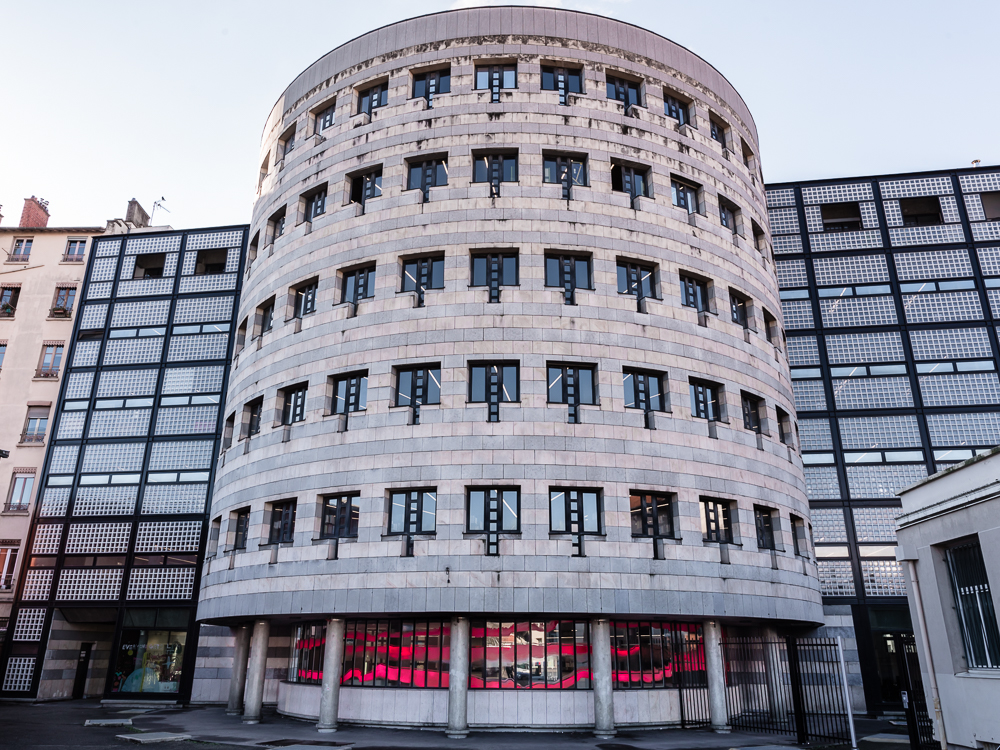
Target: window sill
(707, 542)
(31, 445)
(664, 539)
(481, 534)
(421, 535)
(570, 535)
(13, 512)
(980, 674)
(338, 539)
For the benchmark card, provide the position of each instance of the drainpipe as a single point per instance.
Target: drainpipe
(918, 602)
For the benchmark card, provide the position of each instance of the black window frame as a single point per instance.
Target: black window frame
(625, 177)
(293, 404)
(568, 170)
(677, 109)
(366, 186)
(494, 515)
(368, 96)
(340, 510)
(281, 522)
(636, 387)
(685, 195)
(495, 268)
(358, 283)
(706, 399)
(496, 386)
(913, 219)
(429, 172)
(315, 203)
(739, 308)
(566, 267)
(763, 519)
(496, 78)
(694, 292)
(254, 413)
(645, 511)
(623, 89)
(753, 408)
(415, 502)
(569, 372)
(350, 392)
(267, 315)
(574, 500)
(424, 272)
(562, 80)
(494, 169)
(717, 130)
(842, 216)
(434, 82)
(276, 222)
(631, 277)
(729, 215)
(716, 519)
(305, 298)
(419, 378)
(325, 118)
(784, 420)
(241, 528)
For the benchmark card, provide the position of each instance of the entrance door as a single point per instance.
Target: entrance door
(82, 666)
(888, 654)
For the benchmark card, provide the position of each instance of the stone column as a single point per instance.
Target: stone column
(458, 680)
(256, 671)
(600, 667)
(238, 680)
(333, 667)
(715, 672)
(775, 674)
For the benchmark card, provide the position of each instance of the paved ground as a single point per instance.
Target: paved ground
(59, 726)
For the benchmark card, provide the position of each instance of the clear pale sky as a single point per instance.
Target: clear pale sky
(105, 101)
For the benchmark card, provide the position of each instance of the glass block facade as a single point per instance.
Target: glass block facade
(120, 531)
(893, 349)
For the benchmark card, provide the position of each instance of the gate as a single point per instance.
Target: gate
(691, 678)
(918, 720)
(793, 686)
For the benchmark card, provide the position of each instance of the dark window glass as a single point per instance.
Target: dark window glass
(8, 300)
(254, 409)
(493, 383)
(631, 180)
(572, 385)
(771, 328)
(705, 400)
(684, 196)
(751, 412)
(718, 132)
(650, 655)
(727, 216)
(75, 249)
(65, 297)
(636, 279)
(842, 217)
(565, 170)
(267, 317)
(242, 529)
(396, 653)
(694, 293)
(571, 272)
(282, 523)
(764, 523)
(350, 393)
(324, 119)
(288, 145)
(675, 108)
(715, 523)
(340, 516)
(493, 510)
(421, 274)
(418, 385)
(494, 270)
(627, 92)
(358, 284)
(22, 249)
(784, 427)
(974, 602)
(575, 511)
(305, 299)
(549, 654)
(920, 212)
(644, 390)
(652, 514)
(316, 205)
(294, 406)
(412, 512)
(495, 169)
(798, 534)
(738, 309)
(373, 98)
(428, 85)
(366, 186)
(427, 174)
(496, 77)
(562, 80)
(278, 225)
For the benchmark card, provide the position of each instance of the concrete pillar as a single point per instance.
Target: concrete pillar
(600, 667)
(775, 675)
(238, 680)
(333, 667)
(256, 671)
(715, 672)
(458, 680)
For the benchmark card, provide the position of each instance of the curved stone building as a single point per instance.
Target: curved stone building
(511, 408)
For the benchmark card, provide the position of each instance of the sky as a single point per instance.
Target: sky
(107, 101)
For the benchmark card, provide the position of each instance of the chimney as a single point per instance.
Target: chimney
(35, 214)
(136, 215)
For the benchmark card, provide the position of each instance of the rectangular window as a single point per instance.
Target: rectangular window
(420, 274)
(571, 272)
(705, 400)
(3, 352)
(350, 393)
(548, 654)
(572, 385)
(763, 519)
(684, 196)
(340, 516)
(652, 514)
(493, 383)
(418, 385)
(428, 85)
(771, 328)
(325, 117)
(276, 224)
(266, 314)
(396, 653)
(316, 204)
(9, 296)
(651, 655)
(210, 262)
(254, 410)
(674, 108)
(242, 528)
(293, 407)
(799, 542)
(715, 521)
(372, 98)
(753, 408)
(574, 510)
(784, 426)
(20, 492)
(563, 80)
(739, 309)
(631, 180)
(286, 144)
(636, 279)
(413, 511)
(308, 652)
(718, 131)
(282, 523)
(494, 510)
(628, 93)
(35, 425)
(365, 187)
(494, 169)
(358, 284)
(496, 77)
(729, 215)
(564, 170)
(75, 250)
(8, 561)
(921, 212)
(841, 217)
(305, 299)
(644, 390)
(62, 305)
(22, 249)
(48, 366)
(495, 270)
(423, 175)
(974, 602)
(694, 293)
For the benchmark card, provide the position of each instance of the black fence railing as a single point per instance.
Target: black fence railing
(793, 686)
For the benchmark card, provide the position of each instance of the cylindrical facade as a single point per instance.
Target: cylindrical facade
(510, 352)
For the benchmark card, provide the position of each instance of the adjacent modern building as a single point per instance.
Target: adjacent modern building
(508, 437)
(890, 291)
(109, 574)
(40, 275)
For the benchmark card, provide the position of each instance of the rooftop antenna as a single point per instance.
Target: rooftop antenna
(976, 162)
(156, 205)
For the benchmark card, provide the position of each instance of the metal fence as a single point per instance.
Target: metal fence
(793, 686)
(692, 680)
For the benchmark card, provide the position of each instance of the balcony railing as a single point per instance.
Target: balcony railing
(32, 438)
(15, 508)
(72, 259)
(19, 257)
(61, 312)
(45, 372)
(7, 312)
(6, 583)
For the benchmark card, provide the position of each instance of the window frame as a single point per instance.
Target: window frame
(432, 84)
(72, 244)
(495, 170)
(709, 406)
(685, 195)
(22, 493)
(753, 412)
(765, 526)
(358, 398)
(493, 534)
(412, 397)
(627, 177)
(977, 584)
(623, 89)
(304, 298)
(281, 530)
(502, 368)
(567, 500)
(369, 93)
(564, 169)
(346, 508)
(412, 505)
(695, 292)
(51, 359)
(562, 79)
(673, 101)
(366, 186)
(496, 78)
(293, 403)
(638, 396)
(367, 287)
(430, 171)
(632, 276)
(567, 268)
(240, 519)
(325, 118)
(722, 531)
(565, 398)
(648, 515)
